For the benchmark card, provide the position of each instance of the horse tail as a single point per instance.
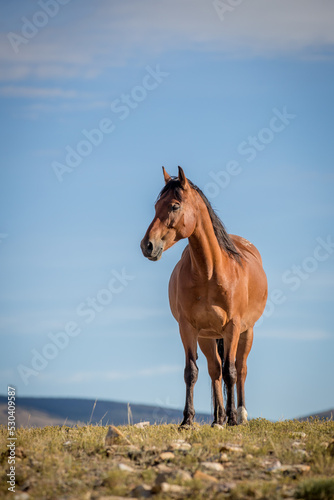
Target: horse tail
(220, 347)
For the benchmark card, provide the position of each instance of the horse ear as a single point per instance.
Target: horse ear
(183, 179)
(166, 176)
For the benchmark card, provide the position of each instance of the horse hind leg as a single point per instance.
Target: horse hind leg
(209, 349)
(244, 347)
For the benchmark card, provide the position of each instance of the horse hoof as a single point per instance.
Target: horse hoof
(232, 418)
(186, 426)
(242, 415)
(214, 425)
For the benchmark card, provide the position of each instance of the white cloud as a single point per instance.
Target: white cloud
(36, 109)
(252, 27)
(46, 93)
(14, 72)
(112, 33)
(38, 92)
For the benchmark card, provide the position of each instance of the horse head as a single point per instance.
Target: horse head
(175, 216)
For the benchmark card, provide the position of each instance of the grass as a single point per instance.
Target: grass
(261, 460)
(316, 489)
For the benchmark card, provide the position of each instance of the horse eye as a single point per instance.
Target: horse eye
(175, 207)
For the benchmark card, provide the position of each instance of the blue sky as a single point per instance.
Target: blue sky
(95, 98)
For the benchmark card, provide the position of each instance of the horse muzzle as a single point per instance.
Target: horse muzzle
(151, 249)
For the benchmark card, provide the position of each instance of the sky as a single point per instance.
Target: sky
(95, 98)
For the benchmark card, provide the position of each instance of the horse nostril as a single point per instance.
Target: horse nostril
(149, 247)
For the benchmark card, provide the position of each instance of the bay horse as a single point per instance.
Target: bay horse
(217, 291)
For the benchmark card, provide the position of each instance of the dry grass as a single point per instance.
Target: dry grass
(261, 460)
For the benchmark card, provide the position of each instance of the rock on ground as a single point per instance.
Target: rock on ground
(115, 436)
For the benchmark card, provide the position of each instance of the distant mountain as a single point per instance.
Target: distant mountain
(40, 412)
(329, 414)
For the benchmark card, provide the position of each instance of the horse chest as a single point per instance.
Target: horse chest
(207, 311)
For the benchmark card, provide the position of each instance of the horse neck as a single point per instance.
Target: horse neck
(206, 255)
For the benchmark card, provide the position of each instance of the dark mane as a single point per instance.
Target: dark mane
(224, 240)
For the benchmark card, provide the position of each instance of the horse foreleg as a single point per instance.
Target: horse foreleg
(231, 339)
(189, 340)
(209, 349)
(244, 347)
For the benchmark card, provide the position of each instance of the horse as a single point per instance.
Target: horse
(217, 291)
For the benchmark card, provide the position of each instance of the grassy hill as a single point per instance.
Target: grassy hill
(261, 460)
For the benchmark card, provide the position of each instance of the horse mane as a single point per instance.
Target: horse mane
(223, 238)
